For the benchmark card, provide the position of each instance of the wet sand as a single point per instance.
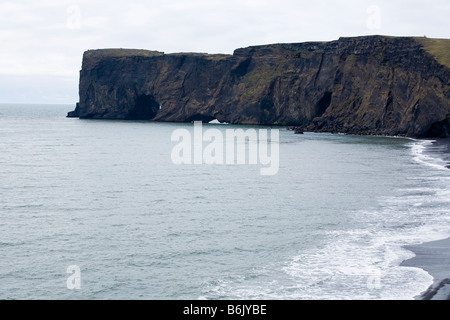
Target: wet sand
(442, 146)
(433, 257)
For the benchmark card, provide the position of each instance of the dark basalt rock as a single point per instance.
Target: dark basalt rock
(74, 113)
(364, 85)
(439, 129)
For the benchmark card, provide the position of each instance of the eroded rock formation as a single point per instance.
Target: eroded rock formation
(363, 85)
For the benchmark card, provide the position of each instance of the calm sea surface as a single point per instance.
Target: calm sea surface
(105, 196)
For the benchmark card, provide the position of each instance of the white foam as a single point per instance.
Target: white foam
(215, 121)
(359, 265)
(420, 156)
(354, 264)
(364, 262)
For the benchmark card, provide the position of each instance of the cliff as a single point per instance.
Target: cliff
(363, 85)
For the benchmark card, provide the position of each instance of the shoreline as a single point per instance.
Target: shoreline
(434, 258)
(443, 147)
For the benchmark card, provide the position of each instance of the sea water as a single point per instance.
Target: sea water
(106, 198)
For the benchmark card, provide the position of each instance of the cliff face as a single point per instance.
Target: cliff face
(363, 85)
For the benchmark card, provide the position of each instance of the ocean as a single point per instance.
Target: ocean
(98, 210)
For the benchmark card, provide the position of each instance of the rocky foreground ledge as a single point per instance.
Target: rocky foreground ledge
(364, 85)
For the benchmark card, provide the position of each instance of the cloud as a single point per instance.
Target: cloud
(48, 37)
(138, 15)
(18, 14)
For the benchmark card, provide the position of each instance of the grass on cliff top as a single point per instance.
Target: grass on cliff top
(438, 48)
(123, 52)
(101, 53)
(210, 56)
(92, 57)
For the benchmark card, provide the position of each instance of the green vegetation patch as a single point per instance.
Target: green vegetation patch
(92, 57)
(123, 53)
(438, 48)
(260, 79)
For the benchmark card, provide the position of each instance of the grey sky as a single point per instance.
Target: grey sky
(42, 42)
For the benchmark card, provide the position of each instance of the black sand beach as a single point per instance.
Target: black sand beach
(441, 146)
(445, 144)
(434, 257)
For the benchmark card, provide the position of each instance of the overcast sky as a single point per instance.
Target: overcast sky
(42, 41)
